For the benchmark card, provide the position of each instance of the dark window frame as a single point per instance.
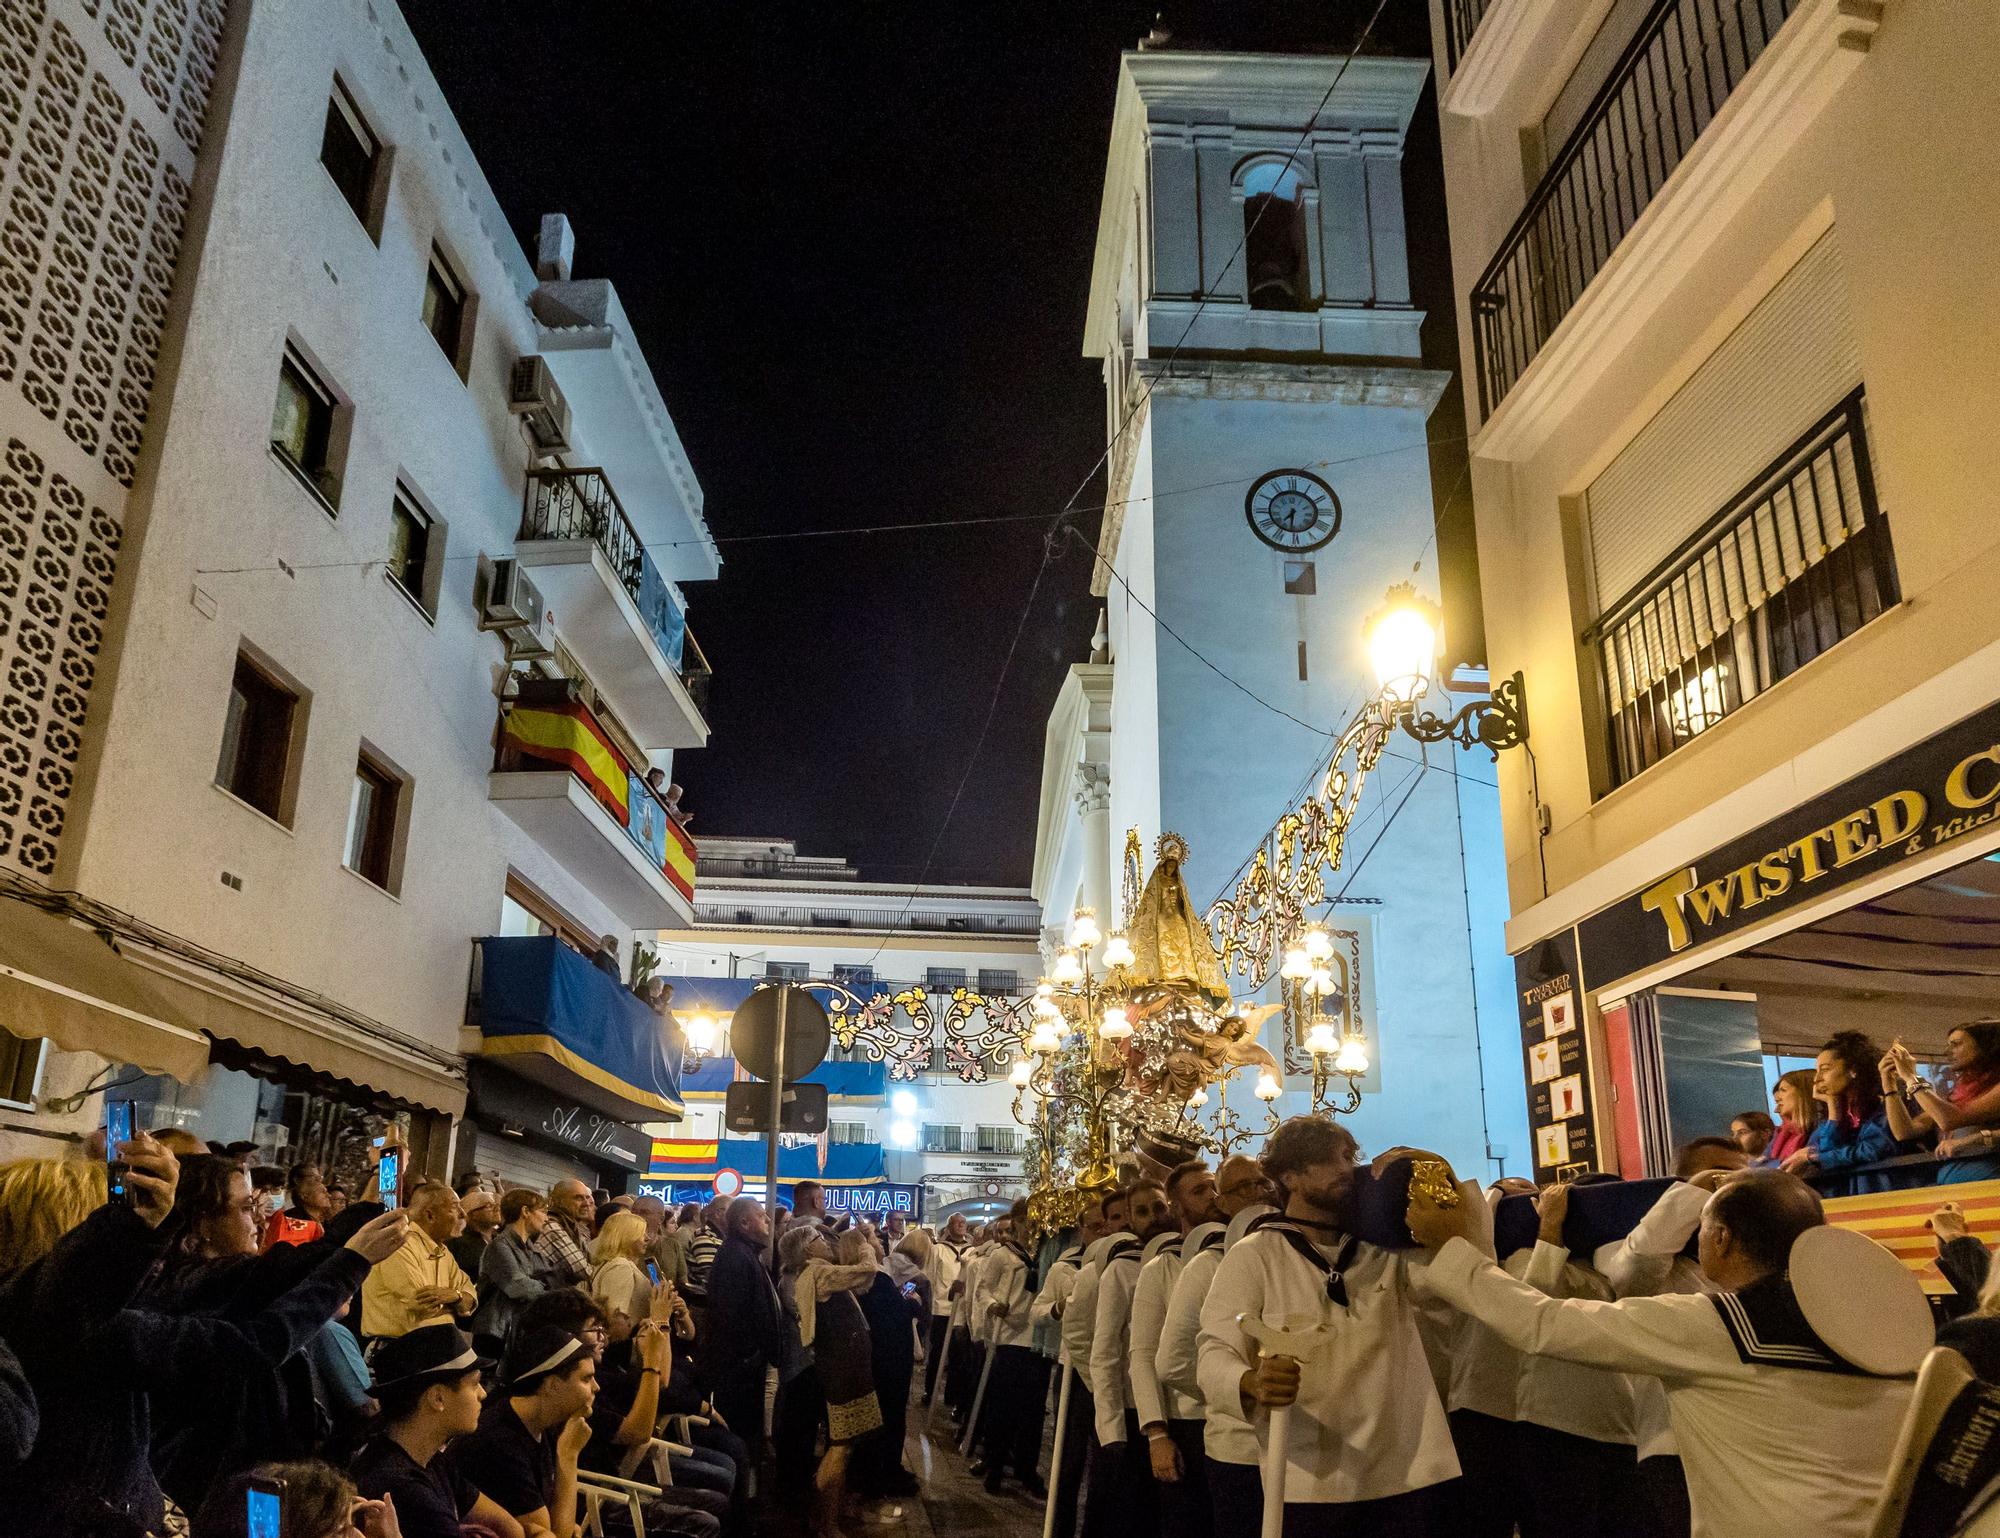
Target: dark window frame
(459, 304)
(419, 579)
(262, 734)
(355, 158)
(378, 860)
(320, 447)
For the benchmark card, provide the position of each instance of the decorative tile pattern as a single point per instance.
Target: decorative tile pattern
(102, 108)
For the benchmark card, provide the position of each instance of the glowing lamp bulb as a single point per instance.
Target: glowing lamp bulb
(1116, 1026)
(1353, 1056)
(1321, 1040)
(1319, 944)
(1199, 1098)
(1045, 990)
(1022, 1071)
(1320, 983)
(902, 1134)
(1045, 1039)
(1068, 969)
(1268, 1088)
(1298, 965)
(701, 1032)
(1118, 950)
(904, 1102)
(1083, 930)
(1403, 644)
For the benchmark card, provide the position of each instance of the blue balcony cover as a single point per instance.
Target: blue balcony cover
(720, 997)
(662, 615)
(565, 1023)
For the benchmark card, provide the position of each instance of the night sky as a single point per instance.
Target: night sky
(855, 241)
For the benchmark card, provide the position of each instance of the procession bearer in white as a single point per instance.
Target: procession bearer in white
(1135, 1496)
(1770, 1380)
(1011, 1426)
(1170, 1425)
(1367, 1446)
(1079, 1326)
(1074, 1410)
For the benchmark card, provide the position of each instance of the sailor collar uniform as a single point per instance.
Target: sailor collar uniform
(1079, 1321)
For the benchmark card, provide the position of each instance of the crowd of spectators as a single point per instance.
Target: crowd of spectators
(500, 1364)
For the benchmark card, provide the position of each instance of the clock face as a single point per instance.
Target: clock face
(1293, 511)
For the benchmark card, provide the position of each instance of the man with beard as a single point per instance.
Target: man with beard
(1167, 1420)
(1134, 1490)
(1369, 1446)
(1079, 1323)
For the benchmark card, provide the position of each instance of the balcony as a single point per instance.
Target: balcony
(1663, 91)
(614, 611)
(557, 773)
(553, 1017)
(1793, 565)
(1461, 21)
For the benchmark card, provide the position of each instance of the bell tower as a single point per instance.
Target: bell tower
(1268, 482)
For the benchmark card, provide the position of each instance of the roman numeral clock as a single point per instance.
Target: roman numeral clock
(1292, 511)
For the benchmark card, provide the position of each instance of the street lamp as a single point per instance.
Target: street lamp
(1403, 641)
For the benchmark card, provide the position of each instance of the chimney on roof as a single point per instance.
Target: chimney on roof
(555, 251)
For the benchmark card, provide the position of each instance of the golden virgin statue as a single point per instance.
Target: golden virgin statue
(1171, 946)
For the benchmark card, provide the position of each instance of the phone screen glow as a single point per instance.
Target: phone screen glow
(263, 1513)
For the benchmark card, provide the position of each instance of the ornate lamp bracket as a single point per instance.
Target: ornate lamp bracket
(1495, 723)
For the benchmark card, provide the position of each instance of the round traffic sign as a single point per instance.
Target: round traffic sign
(728, 1183)
(753, 1032)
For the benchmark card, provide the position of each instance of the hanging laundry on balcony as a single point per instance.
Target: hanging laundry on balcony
(566, 734)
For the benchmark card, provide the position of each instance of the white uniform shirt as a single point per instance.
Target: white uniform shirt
(964, 1313)
(1226, 1436)
(1004, 1280)
(1367, 1423)
(1079, 1321)
(942, 1269)
(1054, 1297)
(1110, 1361)
(1491, 1377)
(1155, 1402)
(1754, 1439)
(1644, 1264)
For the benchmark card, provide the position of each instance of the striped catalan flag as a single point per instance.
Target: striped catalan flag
(679, 864)
(1896, 1220)
(567, 735)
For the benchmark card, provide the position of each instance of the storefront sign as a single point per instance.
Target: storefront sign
(1934, 794)
(873, 1201)
(503, 1097)
(1555, 1048)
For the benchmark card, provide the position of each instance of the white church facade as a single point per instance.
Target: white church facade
(1269, 481)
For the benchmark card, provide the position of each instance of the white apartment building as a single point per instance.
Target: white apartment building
(1269, 481)
(350, 593)
(764, 911)
(1727, 297)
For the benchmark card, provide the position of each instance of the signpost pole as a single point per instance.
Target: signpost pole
(777, 1116)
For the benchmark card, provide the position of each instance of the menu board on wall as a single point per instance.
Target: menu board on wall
(1555, 1056)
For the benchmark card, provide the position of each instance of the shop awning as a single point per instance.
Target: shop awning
(64, 982)
(324, 1048)
(556, 1019)
(691, 1159)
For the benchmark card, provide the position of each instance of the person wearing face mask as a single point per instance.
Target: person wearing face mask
(427, 1383)
(1368, 1449)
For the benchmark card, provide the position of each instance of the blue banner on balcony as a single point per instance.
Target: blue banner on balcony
(564, 1023)
(662, 615)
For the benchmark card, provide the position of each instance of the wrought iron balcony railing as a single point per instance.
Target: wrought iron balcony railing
(580, 504)
(1663, 91)
(1461, 21)
(1796, 562)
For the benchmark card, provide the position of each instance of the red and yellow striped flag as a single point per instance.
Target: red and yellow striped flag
(1896, 1220)
(567, 735)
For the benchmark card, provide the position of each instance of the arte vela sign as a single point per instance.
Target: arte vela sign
(1934, 794)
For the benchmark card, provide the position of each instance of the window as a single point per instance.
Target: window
(302, 424)
(1301, 580)
(941, 1139)
(257, 731)
(860, 979)
(1274, 238)
(353, 157)
(999, 985)
(786, 971)
(416, 550)
(20, 1068)
(448, 312)
(374, 811)
(943, 979)
(1004, 1140)
(847, 1132)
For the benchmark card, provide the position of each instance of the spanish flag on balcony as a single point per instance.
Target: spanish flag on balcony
(566, 735)
(679, 863)
(692, 1152)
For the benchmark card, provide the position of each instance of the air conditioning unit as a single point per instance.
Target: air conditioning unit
(512, 601)
(532, 394)
(531, 643)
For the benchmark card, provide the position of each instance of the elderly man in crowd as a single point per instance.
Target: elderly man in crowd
(482, 1222)
(565, 1242)
(422, 1283)
(745, 1328)
(666, 1246)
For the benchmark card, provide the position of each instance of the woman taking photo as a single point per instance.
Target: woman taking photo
(1798, 1114)
(1965, 1115)
(1847, 1081)
(512, 1273)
